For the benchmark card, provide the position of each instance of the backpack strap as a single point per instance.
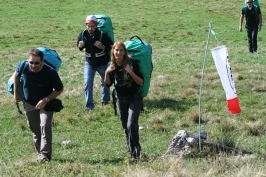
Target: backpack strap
(101, 36)
(114, 98)
(84, 38)
(256, 11)
(114, 95)
(22, 67)
(137, 37)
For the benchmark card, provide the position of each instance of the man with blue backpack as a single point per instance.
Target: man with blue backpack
(41, 85)
(253, 17)
(97, 46)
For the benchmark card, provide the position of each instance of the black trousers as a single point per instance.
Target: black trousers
(252, 33)
(129, 109)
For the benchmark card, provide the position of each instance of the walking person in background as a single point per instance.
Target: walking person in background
(41, 84)
(97, 47)
(127, 79)
(253, 18)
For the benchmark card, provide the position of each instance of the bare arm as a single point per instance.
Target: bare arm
(241, 22)
(16, 85)
(260, 19)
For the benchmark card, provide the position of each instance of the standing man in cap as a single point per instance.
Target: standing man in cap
(97, 46)
(253, 17)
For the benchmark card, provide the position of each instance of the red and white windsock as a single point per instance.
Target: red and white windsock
(220, 57)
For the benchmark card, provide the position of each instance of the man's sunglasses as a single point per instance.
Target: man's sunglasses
(35, 63)
(249, 2)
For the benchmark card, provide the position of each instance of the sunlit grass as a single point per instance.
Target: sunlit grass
(178, 32)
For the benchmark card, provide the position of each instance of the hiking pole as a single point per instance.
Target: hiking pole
(201, 82)
(18, 108)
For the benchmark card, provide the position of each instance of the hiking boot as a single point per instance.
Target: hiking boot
(136, 155)
(88, 109)
(105, 103)
(43, 158)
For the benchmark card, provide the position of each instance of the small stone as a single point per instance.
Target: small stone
(67, 142)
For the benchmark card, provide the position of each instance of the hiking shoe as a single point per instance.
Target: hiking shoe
(105, 103)
(88, 109)
(43, 158)
(136, 155)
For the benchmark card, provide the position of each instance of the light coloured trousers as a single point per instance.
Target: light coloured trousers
(40, 123)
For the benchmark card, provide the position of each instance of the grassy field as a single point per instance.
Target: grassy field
(177, 31)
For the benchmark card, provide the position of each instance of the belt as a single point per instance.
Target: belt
(96, 54)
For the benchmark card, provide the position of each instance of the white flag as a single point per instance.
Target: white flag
(220, 57)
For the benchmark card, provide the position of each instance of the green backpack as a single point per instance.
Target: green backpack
(104, 25)
(141, 51)
(255, 2)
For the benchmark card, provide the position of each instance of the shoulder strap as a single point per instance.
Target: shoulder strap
(22, 67)
(101, 35)
(245, 10)
(256, 13)
(83, 36)
(114, 98)
(256, 9)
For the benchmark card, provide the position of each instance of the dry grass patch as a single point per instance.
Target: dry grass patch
(255, 128)
(160, 127)
(160, 118)
(22, 126)
(228, 125)
(72, 92)
(181, 124)
(212, 76)
(72, 168)
(259, 88)
(165, 167)
(156, 120)
(194, 117)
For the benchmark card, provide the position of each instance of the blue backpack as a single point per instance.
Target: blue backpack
(51, 58)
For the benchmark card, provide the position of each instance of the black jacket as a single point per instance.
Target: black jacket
(124, 84)
(95, 56)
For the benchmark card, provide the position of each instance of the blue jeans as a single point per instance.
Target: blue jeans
(89, 73)
(129, 115)
(252, 32)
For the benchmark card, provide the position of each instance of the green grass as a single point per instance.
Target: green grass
(177, 31)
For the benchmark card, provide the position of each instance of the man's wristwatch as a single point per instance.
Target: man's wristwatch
(47, 99)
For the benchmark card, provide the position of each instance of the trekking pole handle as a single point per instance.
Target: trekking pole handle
(137, 37)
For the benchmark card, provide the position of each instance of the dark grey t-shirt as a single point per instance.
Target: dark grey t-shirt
(39, 85)
(251, 15)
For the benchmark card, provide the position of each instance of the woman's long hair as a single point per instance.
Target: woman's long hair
(126, 59)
